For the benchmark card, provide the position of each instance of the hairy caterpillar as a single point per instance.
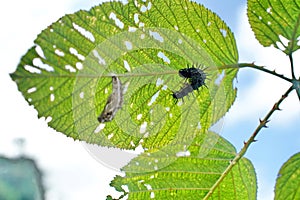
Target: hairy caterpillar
(196, 78)
(185, 90)
(114, 101)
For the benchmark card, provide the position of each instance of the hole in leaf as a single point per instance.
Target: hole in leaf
(165, 87)
(139, 116)
(52, 97)
(153, 99)
(99, 128)
(40, 51)
(159, 82)
(128, 45)
(152, 195)
(141, 24)
(70, 68)
(125, 188)
(143, 127)
(31, 90)
(224, 32)
(132, 143)
(126, 65)
(164, 57)
(136, 18)
(148, 186)
(110, 136)
(220, 78)
(48, 119)
(81, 95)
(118, 22)
(38, 63)
(75, 53)
(156, 36)
(32, 69)
(101, 61)
(132, 29)
(59, 53)
(84, 32)
(79, 66)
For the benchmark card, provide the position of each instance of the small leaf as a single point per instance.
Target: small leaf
(288, 181)
(191, 174)
(66, 76)
(276, 22)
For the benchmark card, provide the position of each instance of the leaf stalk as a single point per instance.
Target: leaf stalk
(252, 65)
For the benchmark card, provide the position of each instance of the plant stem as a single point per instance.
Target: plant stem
(252, 65)
(262, 124)
(292, 66)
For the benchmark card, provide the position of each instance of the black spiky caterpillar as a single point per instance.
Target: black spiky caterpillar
(196, 78)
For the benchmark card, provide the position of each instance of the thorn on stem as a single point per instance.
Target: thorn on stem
(264, 123)
(276, 107)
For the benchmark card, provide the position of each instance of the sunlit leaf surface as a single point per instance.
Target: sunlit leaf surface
(288, 181)
(191, 175)
(66, 76)
(276, 22)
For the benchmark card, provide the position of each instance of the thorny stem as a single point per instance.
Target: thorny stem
(252, 65)
(262, 124)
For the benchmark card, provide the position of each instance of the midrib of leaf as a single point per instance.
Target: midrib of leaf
(294, 35)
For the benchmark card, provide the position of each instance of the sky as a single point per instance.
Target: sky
(72, 173)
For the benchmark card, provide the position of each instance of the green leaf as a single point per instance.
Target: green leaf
(66, 76)
(191, 175)
(276, 22)
(288, 181)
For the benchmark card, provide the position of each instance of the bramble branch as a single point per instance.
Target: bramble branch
(262, 124)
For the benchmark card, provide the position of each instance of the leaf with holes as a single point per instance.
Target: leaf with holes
(276, 22)
(67, 74)
(288, 181)
(192, 174)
